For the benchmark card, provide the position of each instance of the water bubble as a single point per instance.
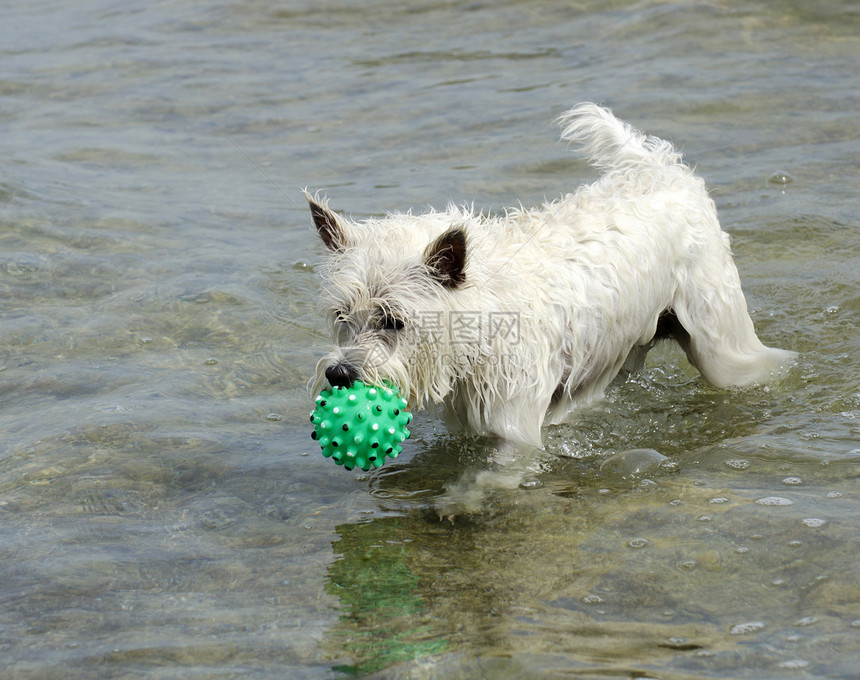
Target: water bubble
(806, 621)
(834, 494)
(274, 417)
(794, 664)
(780, 177)
(814, 522)
(718, 500)
(531, 484)
(738, 464)
(593, 599)
(746, 628)
(792, 481)
(704, 518)
(211, 361)
(638, 542)
(774, 500)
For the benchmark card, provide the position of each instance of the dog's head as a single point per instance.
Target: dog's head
(386, 291)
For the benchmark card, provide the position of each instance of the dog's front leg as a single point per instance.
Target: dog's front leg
(510, 465)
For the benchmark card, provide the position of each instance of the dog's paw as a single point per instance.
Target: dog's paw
(470, 495)
(456, 504)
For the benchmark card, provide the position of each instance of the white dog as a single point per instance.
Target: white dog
(516, 321)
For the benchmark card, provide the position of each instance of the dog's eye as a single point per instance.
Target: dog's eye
(389, 322)
(340, 317)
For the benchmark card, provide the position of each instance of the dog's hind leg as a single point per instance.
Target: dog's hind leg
(635, 361)
(714, 326)
(667, 328)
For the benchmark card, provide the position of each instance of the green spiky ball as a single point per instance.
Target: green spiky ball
(358, 426)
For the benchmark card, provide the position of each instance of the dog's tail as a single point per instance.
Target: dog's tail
(611, 144)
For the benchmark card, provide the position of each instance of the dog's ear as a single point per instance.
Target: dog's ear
(446, 258)
(329, 226)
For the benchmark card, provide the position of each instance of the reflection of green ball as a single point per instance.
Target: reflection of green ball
(358, 426)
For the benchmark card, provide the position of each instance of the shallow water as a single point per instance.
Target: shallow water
(163, 511)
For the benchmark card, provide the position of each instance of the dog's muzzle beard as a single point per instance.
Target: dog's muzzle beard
(371, 359)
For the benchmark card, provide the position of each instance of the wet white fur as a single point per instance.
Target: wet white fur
(588, 275)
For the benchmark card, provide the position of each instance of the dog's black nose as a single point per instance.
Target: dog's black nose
(340, 375)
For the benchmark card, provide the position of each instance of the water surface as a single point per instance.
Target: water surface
(163, 511)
